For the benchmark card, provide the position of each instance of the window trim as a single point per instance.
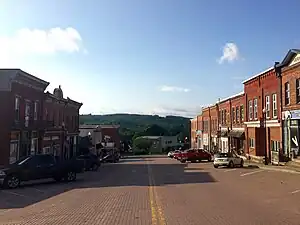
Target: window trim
(287, 94)
(250, 108)
(274, 103)
(267, 105)
(255, 110)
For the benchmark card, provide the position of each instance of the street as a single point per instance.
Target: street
(157, 191)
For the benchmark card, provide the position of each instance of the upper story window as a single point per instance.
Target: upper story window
(268, 106)
(287, 93)
(274, 101)
(27, 110)
(250, 108)
(225, 116)
(233, 115)
(237, 116)
(242, 112)
(35, 110)
(255, 108)
(17, 108)
(298, 90)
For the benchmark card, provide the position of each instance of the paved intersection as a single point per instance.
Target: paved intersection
(158, 191)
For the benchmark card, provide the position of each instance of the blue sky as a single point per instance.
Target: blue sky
(138, 56)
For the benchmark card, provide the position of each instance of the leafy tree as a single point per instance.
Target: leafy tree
(142, 144)
(134, 125)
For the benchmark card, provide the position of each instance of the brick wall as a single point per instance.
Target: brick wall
(290, 75)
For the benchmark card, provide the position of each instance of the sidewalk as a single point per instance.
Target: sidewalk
(279, 168)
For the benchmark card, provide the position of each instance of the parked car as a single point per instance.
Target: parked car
(228, 159)
(176, 154)
(39, 167)
(194, 155)
(90, 161)
(170, 154)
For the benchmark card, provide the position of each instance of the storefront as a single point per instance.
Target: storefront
(205, 141)
(14, 147)
(291, 126)
(224, 140)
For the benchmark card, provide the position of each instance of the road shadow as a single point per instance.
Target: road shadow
(117, 175)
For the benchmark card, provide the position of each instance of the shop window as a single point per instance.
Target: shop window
(255, 108)
(274, 102)
(251, 142)
(275, 145)
(287, 93)
(14, 151)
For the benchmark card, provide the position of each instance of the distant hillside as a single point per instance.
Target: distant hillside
(136, 125)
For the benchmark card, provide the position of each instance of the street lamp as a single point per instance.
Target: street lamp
(265, 126)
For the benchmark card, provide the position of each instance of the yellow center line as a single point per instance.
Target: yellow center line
(156, 209)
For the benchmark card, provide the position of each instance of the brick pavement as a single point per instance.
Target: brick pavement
(180, 194)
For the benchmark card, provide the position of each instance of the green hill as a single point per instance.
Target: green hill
(136, 125)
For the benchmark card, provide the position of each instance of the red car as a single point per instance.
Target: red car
(194, 155)
(177, 154)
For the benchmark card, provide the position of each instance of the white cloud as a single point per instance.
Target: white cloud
(35, 42)
(167, 88)
(230, 53)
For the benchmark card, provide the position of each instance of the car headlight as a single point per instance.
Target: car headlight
(2, 173)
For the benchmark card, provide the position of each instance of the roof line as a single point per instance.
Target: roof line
(259, 74)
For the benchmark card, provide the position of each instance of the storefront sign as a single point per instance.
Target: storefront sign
(295, 114)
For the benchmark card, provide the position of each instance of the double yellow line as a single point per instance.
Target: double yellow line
(156, 209)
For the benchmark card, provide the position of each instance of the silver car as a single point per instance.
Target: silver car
(228, 159)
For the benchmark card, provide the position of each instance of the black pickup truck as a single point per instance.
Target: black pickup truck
(39, 167)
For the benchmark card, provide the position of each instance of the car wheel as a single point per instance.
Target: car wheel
(209, 159)
(231, 164)
(70, 176)
(216, 166)
(11, 182)
(95, 167)
(183, 161)
(242, 163)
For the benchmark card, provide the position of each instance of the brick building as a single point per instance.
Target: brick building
(214, 126)
(224, 123)
(61, 138)
(231, 122)
(262, 113)
(288, 72)
(23, 124)
(237, 131)
(194, 128)
(206, 128)
(199, 131)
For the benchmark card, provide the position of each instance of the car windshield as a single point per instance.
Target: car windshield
(222, 155)
(22, 161)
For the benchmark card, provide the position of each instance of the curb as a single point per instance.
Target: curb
(274, 169)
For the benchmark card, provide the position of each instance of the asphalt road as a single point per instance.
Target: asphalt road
(158, 191)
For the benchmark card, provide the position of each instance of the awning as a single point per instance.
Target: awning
(237, 134)
(223, 133)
